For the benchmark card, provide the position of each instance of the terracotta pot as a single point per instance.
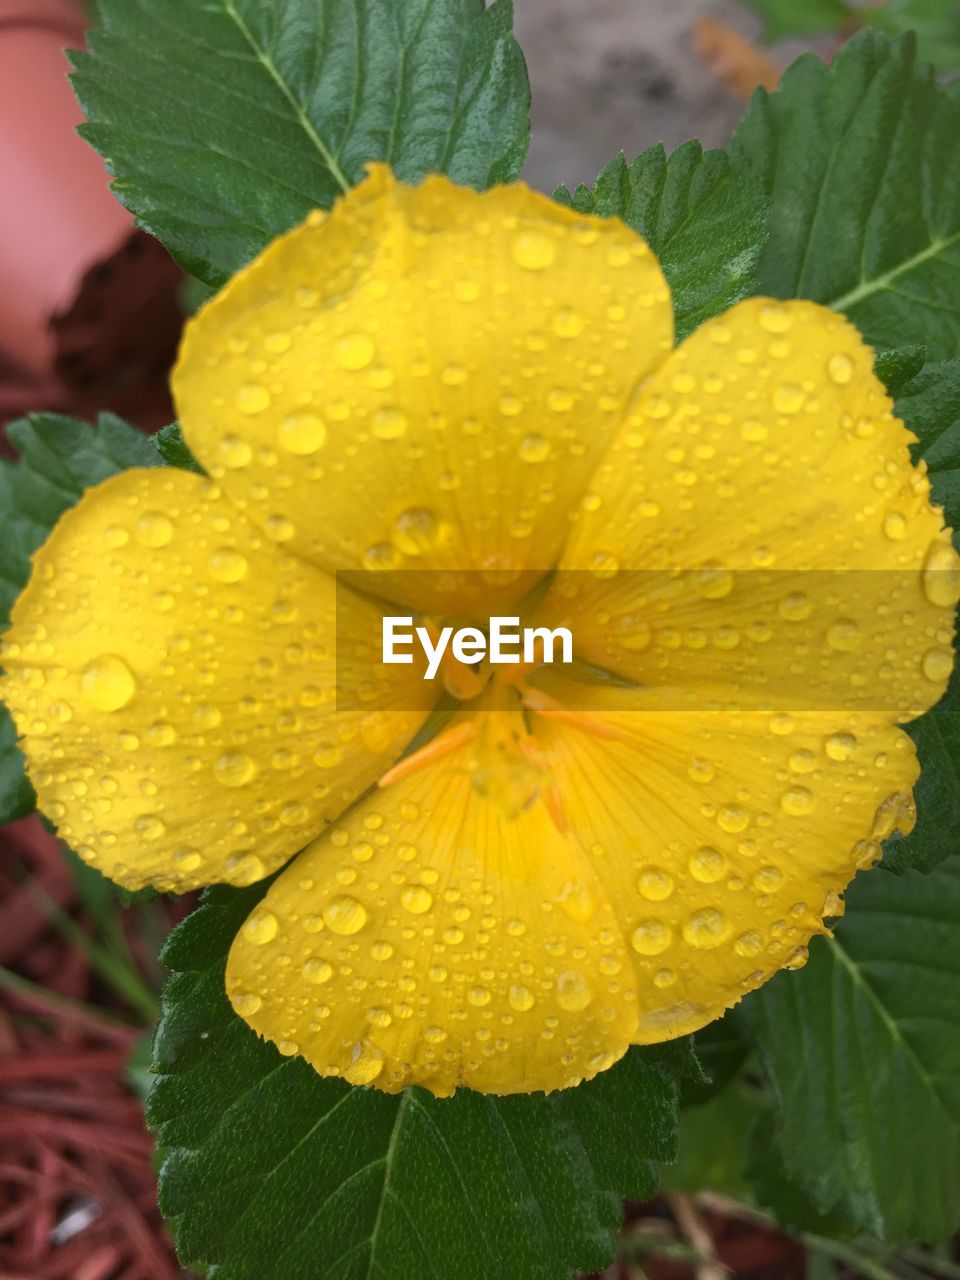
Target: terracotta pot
(58, 218)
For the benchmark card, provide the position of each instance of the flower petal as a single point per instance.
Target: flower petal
(722, 840)
(423, 379)
(782, 543)
(171, 674)
(432, 939)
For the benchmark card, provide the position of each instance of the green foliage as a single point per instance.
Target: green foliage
(862, 1048)
(225, 123)
(58, 459)
(936, 22)
(173, 449)
(327, 1180)
(801, 17)
(704, 222)
(711, 1149)
(861, 164)
(16, 794)
(930, 405)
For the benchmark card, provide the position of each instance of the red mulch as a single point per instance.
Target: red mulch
(77, 1190)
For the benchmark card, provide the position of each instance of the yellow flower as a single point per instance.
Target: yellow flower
(581, 858)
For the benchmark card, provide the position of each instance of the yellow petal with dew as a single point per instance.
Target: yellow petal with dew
(171, 672)
(423, 380)
(757, 533)
(444, 933)
(722, 840)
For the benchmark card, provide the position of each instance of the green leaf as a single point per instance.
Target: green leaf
(861, 164)
(898, 366)
(930, 406)
(929, 403)
(59, 458)
(705, 223)
(789, 18)
(936, 23)
(773, 1190)
(721, 1052)
(16, 794)
(225, 123)
(271, 1172)
(173, 449)
(862, 1048)
(711, 1155)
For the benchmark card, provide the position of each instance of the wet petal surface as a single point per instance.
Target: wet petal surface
(443, 933)
(721, 839)
(757, 533)
(424, 379)
(172, 677)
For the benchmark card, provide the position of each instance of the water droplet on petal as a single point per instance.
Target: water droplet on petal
(416, 899)
(116, 536)
(260, 927)
(234, 452)
(775, 318)
(107, 683)
(245, 1003)
(797, 802)
(840, 368)
(788, 398)
(533, 250)
(388, 424)
(844, 636)
(415, 531)
(573, 991)
(895, 526)
(234, 769)
(768, 879)
(354, 351)
(577, 901)
(795, 607)
(708, 865)
(797, 958)
(655, 884)
(534, 448)
(941, 575)
(302, 433)
(380, 557)
(713, 582)
(317, 971)
(252, 398)
(228, 565)
(365, 1064)
(733, 819)
(749, 944)
(568, 323)
(520, 998)
(154, 529)
(150, 826)
(345, 915)
(706, 929)
(937, 665)
(650, 937)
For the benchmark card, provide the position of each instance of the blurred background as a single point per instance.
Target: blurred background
(90, 313)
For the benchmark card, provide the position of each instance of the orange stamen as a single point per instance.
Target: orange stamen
(543, 705)
(551, 796)
(444, 744)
